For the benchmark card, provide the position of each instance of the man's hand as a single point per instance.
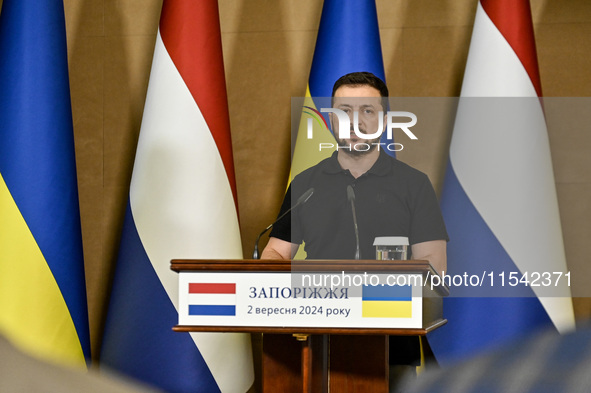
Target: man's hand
(279, 249)
(434, 251)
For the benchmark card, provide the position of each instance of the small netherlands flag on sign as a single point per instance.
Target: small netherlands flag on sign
(212, 299)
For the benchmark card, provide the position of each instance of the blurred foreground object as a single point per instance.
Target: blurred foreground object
(547, 362)
(22, 373)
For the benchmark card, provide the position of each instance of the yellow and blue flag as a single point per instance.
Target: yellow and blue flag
(348, 41)
(388, 301)
(43, 305)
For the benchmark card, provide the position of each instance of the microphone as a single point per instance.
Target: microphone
(351, 198)
(301, 200)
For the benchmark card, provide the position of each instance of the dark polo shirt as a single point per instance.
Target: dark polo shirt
(391, 199)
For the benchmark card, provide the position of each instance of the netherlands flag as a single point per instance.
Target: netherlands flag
(499, 199)
(182, 204)
(215, 299)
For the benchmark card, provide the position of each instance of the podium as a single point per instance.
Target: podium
(325, 323)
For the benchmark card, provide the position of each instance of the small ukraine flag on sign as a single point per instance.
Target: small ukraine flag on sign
(386, 301)
(212, 299)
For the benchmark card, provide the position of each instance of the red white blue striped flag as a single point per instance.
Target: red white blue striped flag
(182, 204)
(215, 299)
(499, 198)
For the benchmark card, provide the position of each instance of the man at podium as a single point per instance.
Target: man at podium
(361, 193)
(390, 198)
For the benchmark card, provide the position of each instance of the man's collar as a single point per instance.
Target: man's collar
(380, 168)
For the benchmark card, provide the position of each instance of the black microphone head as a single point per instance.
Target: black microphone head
(305, 196)
(350, 193)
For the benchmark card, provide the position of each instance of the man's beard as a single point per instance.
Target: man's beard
(367, 145)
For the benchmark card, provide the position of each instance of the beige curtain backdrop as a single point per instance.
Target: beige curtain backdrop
(268, 47)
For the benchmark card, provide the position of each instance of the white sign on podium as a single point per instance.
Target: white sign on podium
(286, 299)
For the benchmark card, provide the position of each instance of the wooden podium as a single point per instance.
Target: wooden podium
(316, 338)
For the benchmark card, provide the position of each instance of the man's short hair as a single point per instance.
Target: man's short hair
(363, 79)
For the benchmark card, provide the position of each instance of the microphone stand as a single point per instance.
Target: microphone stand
(301, 200)
(351, 197)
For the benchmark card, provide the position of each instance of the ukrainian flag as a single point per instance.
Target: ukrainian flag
(348, 41)
(42, 287)
(386, 301)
